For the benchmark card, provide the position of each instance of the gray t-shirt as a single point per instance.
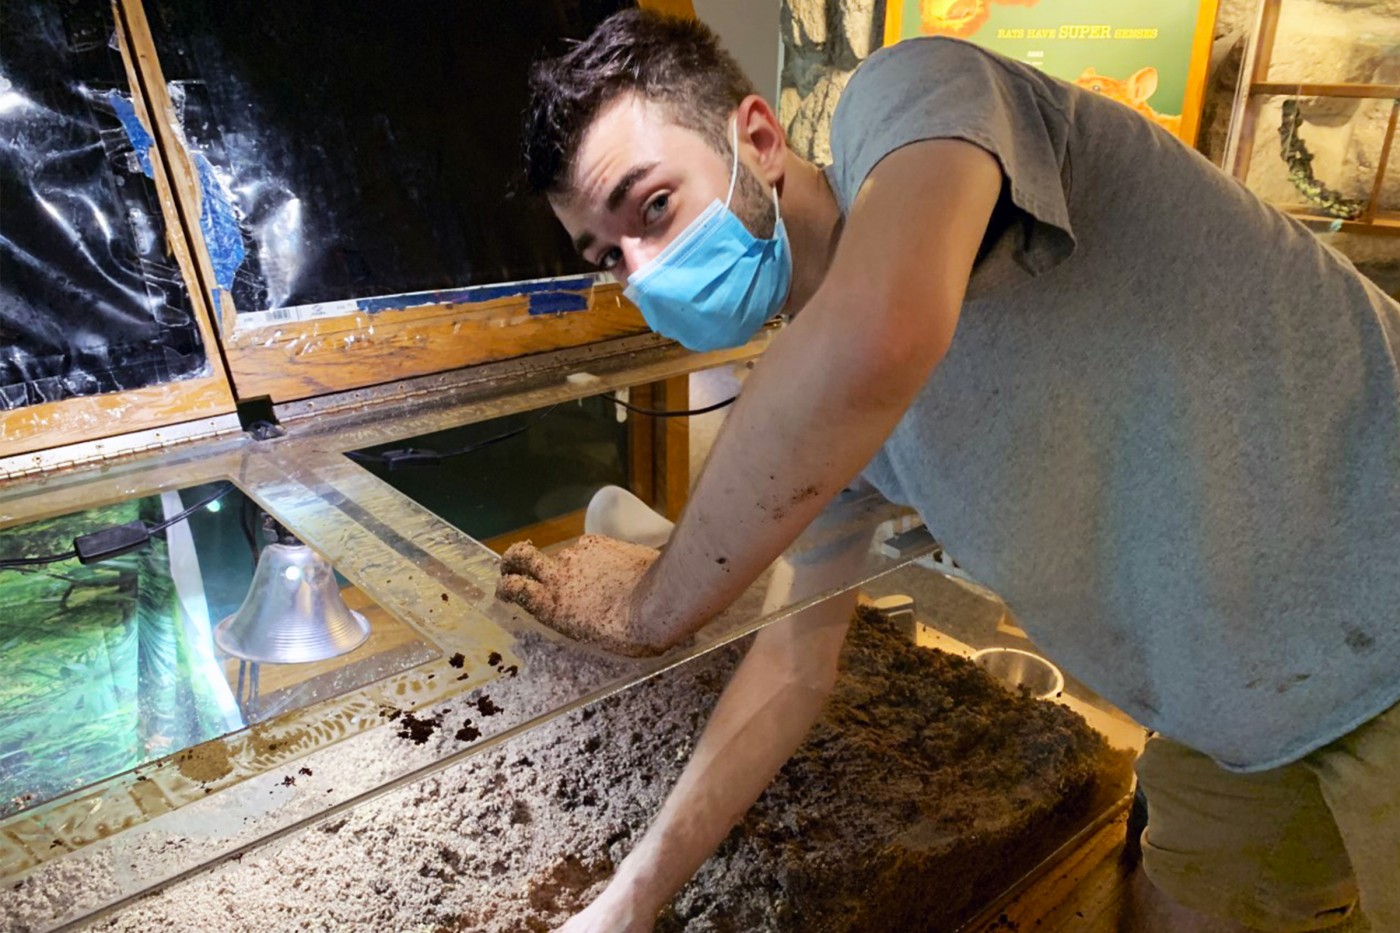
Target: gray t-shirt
(1167, 431)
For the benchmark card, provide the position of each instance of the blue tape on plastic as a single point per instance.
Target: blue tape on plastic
(553, 297)
(557, 302)
(141, 141)
(218, 224)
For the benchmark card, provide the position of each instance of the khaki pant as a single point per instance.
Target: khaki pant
(1294, 848)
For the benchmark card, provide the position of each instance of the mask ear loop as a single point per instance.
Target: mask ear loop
(734, 172)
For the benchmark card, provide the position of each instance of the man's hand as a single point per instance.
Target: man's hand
(589, 592)
(612, 912)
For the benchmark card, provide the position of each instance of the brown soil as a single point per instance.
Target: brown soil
(204, 763)
(924, 791)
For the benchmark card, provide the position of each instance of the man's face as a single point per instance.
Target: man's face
(639, 180)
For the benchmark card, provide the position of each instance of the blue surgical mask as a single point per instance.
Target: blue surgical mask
(715, 284)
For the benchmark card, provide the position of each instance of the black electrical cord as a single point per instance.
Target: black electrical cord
(247, 523)
(10, 563)
(418, 456)
(675, 414)
(154, 529)
(422, 456)
(113, 541)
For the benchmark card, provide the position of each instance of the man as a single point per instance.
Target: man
(1158, 417)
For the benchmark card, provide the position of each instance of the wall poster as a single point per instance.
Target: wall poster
(1150, 55)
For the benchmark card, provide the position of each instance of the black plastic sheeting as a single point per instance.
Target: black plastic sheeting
(90, 300)
(365, 148)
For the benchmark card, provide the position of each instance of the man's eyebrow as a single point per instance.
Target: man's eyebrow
(634, 175)
(615, 197)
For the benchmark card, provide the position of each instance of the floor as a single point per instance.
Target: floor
(1086, 893)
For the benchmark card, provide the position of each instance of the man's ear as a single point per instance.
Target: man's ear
(766, 142)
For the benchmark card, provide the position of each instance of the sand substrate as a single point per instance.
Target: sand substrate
(924, 791)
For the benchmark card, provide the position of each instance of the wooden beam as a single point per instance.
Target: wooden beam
(672, 445)
(288, 362)
(184, 209)
(1256, 65)
(1384, 223)
(1373, 205)
(659, 448)
(541, 534)
(1266, 32)
(1199, 71)
(641, 446)
(53, 424)
(894, 21)
(35, 428)
(134, 35)
(1363, 91)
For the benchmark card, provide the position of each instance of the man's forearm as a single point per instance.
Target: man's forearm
(813, 414)
(763, 715)
(832, 386)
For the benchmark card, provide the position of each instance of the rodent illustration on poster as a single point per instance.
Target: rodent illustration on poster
(1137, 52)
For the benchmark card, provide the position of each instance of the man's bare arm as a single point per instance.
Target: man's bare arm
(766, 710)
(824, 398)
(831, 387)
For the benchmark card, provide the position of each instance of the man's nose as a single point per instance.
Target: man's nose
(636, 252)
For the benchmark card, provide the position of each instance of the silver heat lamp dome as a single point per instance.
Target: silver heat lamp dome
(293, 612)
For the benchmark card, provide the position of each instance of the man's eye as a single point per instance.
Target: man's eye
(609, 259)
(657, 207)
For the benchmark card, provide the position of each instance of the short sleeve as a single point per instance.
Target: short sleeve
(938, 88)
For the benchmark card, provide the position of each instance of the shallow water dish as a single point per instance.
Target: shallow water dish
(1019, 669)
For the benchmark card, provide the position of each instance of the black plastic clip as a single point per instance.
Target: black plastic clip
(111, 542)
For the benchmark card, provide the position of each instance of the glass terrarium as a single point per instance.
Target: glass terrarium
(513, 476)
(454, 675)
(112, 664)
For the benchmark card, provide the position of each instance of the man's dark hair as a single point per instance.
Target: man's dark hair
(674, 61)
